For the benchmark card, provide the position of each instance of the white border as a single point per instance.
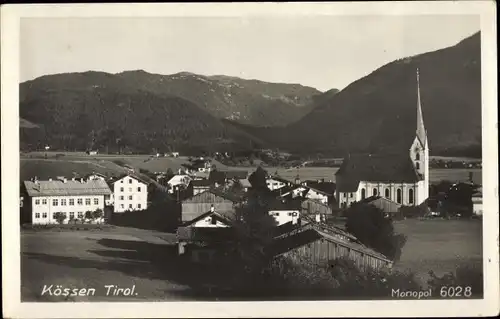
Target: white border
(10, 19)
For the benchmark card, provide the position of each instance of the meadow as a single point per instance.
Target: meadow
(147, 259)
(81, 163)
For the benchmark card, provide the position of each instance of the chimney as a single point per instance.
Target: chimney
(212, 208)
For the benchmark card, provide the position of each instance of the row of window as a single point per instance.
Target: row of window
(139, 189)
(71, 215)
(399, 194)
(68, 201)
(130, 206)
(123, 197)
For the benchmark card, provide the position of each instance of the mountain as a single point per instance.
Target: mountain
(378, 112)
(251, 102)
(95, 109)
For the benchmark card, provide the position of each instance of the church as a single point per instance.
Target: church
(402, 178)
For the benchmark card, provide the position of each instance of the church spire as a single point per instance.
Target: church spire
(421, 132)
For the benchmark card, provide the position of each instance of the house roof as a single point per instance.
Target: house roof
(282, 204)
(225, 217)
(122, 176)
(95, 174)
(201, 183)
(324, 187)
(68, 188)
(280, 179)
(179, 179)
(236, 174)
(387, 168)
(245, 182)
(285, 190)
(310, 234)
(205, 234)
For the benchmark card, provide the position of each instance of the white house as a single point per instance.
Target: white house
(285, 211)
(181, 181)
(477, 202)
(70, 197)
(129, 194)
(276, 182)
(400, 177)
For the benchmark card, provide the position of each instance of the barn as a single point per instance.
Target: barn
(212, 199)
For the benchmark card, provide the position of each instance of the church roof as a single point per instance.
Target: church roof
(386, 168)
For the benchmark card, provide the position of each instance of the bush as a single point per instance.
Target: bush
(464, 276)
(369, 224)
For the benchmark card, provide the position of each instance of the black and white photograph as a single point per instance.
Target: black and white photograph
(209, 155)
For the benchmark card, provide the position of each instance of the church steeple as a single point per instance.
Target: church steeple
(421, 132)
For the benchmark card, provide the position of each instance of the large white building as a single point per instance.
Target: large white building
(71, 197)
(402, 178)
(129, 194)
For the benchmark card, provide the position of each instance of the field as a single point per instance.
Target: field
(439, 245)
(146, 259)
(82, 164)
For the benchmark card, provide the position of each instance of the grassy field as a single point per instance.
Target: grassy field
(439, 245)
(82, 163)
(126, 257)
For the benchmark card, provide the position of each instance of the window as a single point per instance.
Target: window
(37, 202)
(417, 156)
(139, 189)
(44, 201)
(122, 206)
(410, 196)
(351, 195)
(289, 214)
(37, 215)
(87, 201)
(374, 192)
(398, 195)
(96, 201)
(417, 165)
(213, 221)
(345, 195)
(80, 214)
(44, 215)
(71, 202)
(121, 189)
(294, 214)
(387, 193)
(121, 197)
(130, 189)
(130, 197)
(63, 202)
(139, 206)
(130, 181)
(363, 193)
(121, 181)
(130, 206)
(71, 215)
(55, 202)
(79, 201)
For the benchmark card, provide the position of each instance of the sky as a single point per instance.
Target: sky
(324, 52)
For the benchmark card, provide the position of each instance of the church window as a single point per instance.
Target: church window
(387, 193)
(417, 156)
(363, 193)
(410, 196)
(375, 193)
(417, 165)
(398, 195)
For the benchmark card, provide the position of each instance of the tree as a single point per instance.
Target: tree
(170, 174)
(60, 217)
(254, 233)
(88, 215)
(97, 214)
(258, 179)
(369, 224)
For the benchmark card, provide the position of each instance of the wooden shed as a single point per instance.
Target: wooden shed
(322, 247)
(203, 202)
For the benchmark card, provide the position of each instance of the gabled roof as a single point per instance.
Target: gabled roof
(282, 204)
(245, 182)
(387, 168)
(323, 187)
(201, 183)
(68, 188)
(122, 176)
(279, 179)
(225, 217)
